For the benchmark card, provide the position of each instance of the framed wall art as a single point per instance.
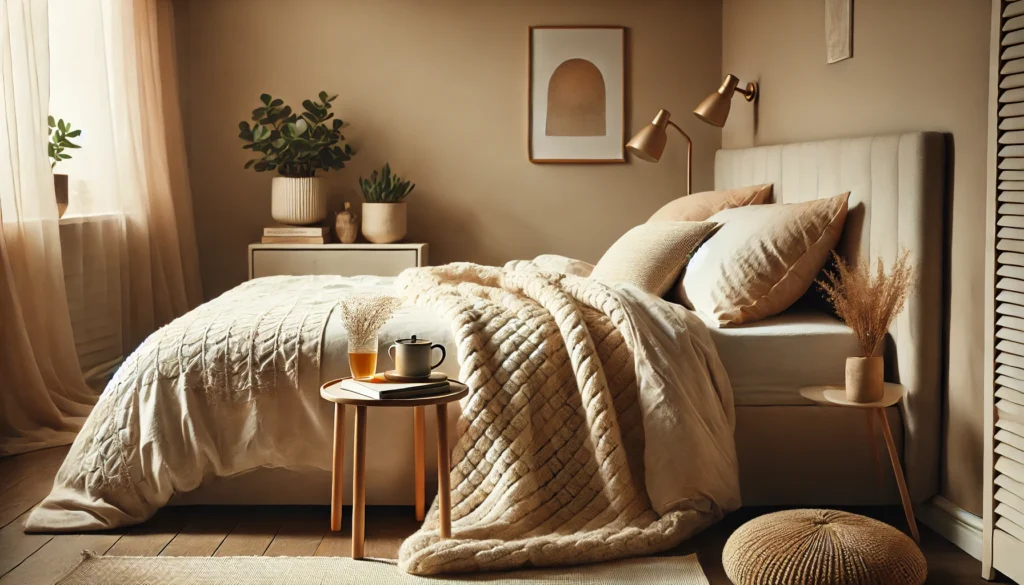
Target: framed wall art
(577, 94)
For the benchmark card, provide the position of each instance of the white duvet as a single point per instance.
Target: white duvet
(233, 386)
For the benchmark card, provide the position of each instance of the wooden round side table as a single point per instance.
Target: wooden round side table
(333, 392)
(836, 396)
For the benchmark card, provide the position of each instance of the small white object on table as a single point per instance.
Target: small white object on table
(831, 395)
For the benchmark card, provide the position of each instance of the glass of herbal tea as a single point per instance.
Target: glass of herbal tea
(362, 357)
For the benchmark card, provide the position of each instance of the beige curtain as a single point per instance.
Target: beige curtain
(114, 75)
(110, 72)
(43, 398)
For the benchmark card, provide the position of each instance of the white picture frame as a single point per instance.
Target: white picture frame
(577, 94)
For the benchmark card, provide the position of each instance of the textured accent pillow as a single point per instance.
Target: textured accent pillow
(762, 259)
(701, 206)
(652, 255)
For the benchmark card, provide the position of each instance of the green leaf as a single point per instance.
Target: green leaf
(51, 122)
(60, 126)
(265, 98)
(277, 103)
(68, 144)
(74, 134)
(249, 163)
(323, 96)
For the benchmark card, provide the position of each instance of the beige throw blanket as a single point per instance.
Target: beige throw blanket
(599, 423)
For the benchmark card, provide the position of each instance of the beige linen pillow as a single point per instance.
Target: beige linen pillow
(701, 206)
(762, 259)
(652, 255)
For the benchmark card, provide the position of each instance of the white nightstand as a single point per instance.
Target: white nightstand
(342, 259)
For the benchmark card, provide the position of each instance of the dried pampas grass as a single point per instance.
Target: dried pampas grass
(363, 316)
(868, 303)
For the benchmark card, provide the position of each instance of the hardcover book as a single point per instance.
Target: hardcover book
(379, 389)
(294, 240)
(295, 231)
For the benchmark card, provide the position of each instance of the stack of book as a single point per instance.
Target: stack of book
(286, 234)
(380, 388)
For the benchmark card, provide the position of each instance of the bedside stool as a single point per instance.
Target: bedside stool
(836, 396)
(332, 392)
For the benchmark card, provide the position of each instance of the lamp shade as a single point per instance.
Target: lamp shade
(715, 108)
(649, 143)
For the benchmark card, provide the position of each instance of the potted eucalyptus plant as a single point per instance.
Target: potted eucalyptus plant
(296, 146)
(384, 217)
(60, 132)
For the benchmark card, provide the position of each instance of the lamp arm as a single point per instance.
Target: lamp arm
(689, 157)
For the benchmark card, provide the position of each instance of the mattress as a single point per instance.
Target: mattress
(770, 360)
(767, 361)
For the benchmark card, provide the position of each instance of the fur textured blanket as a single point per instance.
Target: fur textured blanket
(599, 424)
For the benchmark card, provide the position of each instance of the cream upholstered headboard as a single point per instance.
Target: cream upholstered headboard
(897, 195)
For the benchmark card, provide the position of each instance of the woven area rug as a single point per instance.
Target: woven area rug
(95, 570)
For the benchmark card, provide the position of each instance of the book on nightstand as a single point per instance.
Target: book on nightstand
(285, 234)
(379, 389)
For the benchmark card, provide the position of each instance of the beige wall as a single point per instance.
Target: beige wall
(917, 65)
(438, 88)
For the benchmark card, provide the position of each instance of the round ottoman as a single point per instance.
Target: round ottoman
(821, 547)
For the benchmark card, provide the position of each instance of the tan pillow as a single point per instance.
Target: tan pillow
(652, 255)
(701, 206)
(762, 259)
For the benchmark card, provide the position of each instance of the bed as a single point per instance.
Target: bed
(599, 413)
(791, 452)
(595, 406)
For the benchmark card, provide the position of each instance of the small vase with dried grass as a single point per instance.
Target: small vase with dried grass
(868, 301)
(363, 316)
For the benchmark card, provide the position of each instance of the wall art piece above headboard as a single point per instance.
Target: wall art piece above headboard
(577, 95)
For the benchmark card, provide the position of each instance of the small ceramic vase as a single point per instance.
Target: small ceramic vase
(864, 379)
(60, 189)
(346, 225)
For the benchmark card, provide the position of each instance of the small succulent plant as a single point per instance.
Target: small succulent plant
(59, 132)
(295, 145)
(385, 187)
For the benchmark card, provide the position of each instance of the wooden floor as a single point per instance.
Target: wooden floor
(300, 531)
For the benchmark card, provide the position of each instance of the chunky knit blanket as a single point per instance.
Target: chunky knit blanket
(599, 423)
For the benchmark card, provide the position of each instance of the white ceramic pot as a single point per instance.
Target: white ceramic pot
(298, 201)
(384, 223)
(865, 379)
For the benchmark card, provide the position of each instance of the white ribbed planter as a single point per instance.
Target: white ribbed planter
(298, 201)
(384, 223)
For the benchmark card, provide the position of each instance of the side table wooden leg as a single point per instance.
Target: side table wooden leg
(338, 466)
(419, 432)
(444, 502)
(897, 469)
(870, 418)
(359, 484)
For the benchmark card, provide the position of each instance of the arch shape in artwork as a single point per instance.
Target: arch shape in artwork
(576, 100)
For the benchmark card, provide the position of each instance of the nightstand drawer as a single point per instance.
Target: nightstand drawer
(272, 261)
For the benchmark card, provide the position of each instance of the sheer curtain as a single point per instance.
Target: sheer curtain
(114, 76)
(106, 66)
(43, 397)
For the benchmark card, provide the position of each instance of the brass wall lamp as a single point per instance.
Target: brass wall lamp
(649, 143)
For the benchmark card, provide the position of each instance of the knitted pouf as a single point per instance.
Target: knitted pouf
(821, 547)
